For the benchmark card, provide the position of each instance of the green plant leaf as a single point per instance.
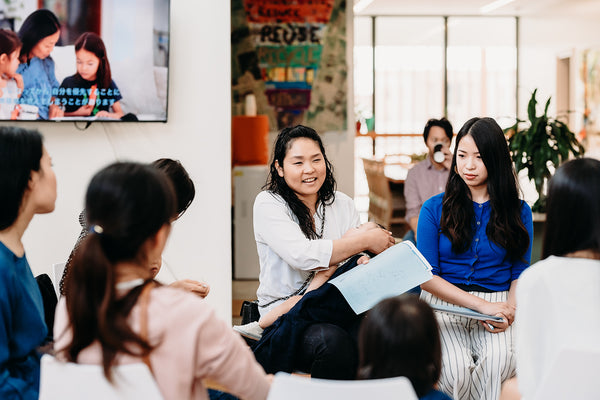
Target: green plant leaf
(547, 105)
(531, 106)
(542, 146)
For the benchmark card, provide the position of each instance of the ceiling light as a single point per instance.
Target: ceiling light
(494, 5)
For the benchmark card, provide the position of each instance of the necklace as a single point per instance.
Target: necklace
(320, 234)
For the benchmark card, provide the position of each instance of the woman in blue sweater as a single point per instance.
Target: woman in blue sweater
(28, 187)
(477, 237)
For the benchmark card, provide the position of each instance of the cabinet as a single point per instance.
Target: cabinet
(247, 183)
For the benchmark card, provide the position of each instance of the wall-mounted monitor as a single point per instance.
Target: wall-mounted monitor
(68, 47)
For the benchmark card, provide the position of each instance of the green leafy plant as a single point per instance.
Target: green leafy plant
(541, 147)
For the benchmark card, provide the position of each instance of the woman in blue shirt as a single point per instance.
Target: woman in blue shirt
(28, 187)
(39, 33)
(477, 237)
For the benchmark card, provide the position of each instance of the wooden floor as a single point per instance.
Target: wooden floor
(241, 290)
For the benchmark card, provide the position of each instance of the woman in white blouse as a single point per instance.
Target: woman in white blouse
(302, 226)
(559, 296)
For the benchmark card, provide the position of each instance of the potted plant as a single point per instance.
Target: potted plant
(541, 147)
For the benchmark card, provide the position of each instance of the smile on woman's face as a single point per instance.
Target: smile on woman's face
(304, 169)
(469, 164)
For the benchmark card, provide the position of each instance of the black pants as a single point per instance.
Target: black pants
(318, 335)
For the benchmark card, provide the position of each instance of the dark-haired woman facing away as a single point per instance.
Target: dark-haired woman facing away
(477, 237)
(185, 192)
(400, 337)
(559, 297)
(302, 226)
(27, 187)
(110, 292)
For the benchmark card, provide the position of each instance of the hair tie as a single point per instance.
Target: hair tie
(96, 229)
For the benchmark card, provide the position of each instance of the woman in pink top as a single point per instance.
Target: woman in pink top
(103, 320)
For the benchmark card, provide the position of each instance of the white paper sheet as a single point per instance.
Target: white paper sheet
(390, 273)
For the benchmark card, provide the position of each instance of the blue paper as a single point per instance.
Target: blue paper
(390, 273)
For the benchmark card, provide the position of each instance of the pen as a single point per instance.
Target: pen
(490, 326)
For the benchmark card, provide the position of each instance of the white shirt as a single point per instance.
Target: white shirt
(558, 302)
(10, 98)
(286, 256)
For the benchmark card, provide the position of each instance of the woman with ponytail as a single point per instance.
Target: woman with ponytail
(111, 297)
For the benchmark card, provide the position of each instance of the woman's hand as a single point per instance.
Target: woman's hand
(360, 229)
(500, 309)
(54, 111)
(106, 114)
(198, 288)
(363, 260)
(493, 308)
(367, 237)
(85, 110)
(496, 326)
(378, 240)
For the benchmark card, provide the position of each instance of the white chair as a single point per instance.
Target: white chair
(291, 387)
(573, 375)
(70, 381)
(57, 273)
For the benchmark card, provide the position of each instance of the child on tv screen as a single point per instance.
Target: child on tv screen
(91, 91)
(11, 83)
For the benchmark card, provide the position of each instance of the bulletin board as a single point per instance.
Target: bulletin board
(590, 77)
(291, 54)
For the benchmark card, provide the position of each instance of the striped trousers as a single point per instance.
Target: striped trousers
(475, 362)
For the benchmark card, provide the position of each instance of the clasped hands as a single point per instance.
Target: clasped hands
(500, 309)
(376, 238)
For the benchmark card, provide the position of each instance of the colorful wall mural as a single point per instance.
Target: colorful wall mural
(291, 54)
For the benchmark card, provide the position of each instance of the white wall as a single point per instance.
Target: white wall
(545, 39)
(198, 134)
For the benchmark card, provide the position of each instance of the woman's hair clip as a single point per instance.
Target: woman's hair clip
(96, 229)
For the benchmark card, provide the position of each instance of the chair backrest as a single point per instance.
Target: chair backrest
(572, 375)
(70, 381)
(57, 273)
(380, 194)
(291, 387)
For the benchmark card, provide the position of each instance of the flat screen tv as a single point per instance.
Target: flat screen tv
(66, 46)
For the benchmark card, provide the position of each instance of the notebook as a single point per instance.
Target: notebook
(390, 273)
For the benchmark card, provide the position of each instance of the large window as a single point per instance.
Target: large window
(410, 69)
(409, 79)
(425, 67)
(482, 65)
